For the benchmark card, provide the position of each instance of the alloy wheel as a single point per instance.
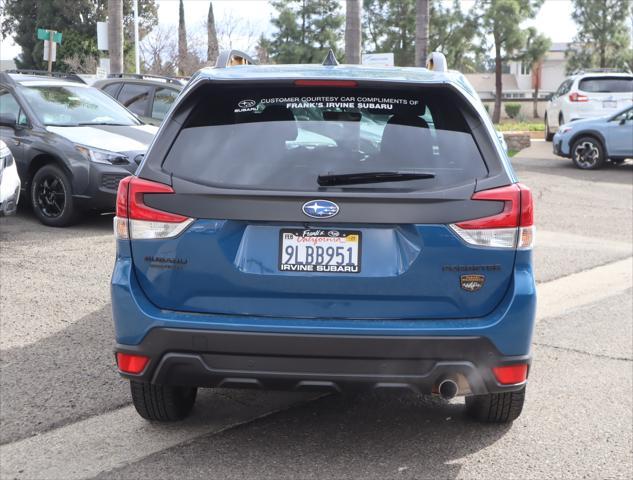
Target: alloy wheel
(586, 154)
(50, 196)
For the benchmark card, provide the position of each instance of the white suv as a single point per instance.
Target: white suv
(587, 95)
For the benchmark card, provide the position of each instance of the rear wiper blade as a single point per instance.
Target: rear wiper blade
(370, 177)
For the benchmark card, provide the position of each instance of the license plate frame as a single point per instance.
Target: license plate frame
(332, 237)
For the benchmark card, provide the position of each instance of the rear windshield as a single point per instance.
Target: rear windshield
(286, 138)
(606, 84)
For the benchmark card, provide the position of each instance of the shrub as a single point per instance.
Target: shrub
(512, 109)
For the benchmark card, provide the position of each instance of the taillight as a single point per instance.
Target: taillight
(578, 97)
(511, 374)
(130, 363)
(136, 220)
(513, 227)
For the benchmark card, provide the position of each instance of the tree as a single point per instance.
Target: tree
(389, 26)
(353, 33)
(306, 30)
(212, 37)
(452, 32)
(603, 35)
(421, 32)
(115, 35)
(502, 19)
(76, 19)
(536, 47)
(182, 39)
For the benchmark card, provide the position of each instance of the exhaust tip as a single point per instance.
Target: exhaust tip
(448, 388)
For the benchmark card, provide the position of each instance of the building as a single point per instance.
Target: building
(518, 78)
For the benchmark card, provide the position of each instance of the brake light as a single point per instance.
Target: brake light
(578, 97)
(134, 219)
(326, 83)
(513, 227)
(511, 374)
(130, 363)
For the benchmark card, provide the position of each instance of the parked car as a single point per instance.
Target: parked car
(587, 95)
(246, 258)
(9, 182)
(72, 144)
(590, 143)
(148, 96)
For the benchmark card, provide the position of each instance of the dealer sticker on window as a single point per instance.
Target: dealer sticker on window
(319, 250)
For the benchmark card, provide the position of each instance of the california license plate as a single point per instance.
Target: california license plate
(319, 250)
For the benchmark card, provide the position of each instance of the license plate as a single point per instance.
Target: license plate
(609, 104)
(319, 251)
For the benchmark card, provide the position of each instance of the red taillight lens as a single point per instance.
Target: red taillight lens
(517, 212)
(136, 220)
(511, 374)
(129, 363)
(577, 97)
(510, 228)
(137, 209)
(122, 197)
(129, 202)
(326, 83)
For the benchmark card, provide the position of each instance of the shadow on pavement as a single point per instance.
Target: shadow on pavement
(384, 435)
(63, 378)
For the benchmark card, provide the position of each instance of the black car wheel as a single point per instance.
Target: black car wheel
(496, 407)
(51, 197)
(587, 153)
(548, 133)
(162, 403)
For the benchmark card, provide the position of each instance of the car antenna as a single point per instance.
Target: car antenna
(330, 59)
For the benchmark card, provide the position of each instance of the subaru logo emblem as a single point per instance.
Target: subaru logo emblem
(320, 209)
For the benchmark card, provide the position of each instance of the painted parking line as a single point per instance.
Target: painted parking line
(102, 443)
(561, 295)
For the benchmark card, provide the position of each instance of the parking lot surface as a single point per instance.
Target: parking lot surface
(65, 413)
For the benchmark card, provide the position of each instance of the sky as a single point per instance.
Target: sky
(554, 19)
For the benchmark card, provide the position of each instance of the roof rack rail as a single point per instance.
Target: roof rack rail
(599, 70)
(230, 58)
(142, 76)
(43, 73)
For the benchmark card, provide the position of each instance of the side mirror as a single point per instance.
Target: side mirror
(549, 97)
(8, 119)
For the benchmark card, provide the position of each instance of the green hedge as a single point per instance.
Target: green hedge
(512, 109)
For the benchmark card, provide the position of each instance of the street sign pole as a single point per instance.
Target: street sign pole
(51, 35)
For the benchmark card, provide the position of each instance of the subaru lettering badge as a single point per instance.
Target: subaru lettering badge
(320, 209)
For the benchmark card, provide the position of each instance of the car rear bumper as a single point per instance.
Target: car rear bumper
(319, 362)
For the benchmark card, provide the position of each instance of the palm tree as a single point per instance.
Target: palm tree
(421, 32)
(353, 36)
(115, 35)
(182, 40)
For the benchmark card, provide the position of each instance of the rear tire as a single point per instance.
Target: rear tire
(548, 134)
(496, 407)
(162, 403)
(587, 153)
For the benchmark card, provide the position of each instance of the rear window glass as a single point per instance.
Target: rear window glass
(606, 84)
(285, 138)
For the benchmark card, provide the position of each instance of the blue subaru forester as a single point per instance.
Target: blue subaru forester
(325, 227)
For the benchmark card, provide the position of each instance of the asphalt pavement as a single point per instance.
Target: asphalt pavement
(65, 413)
